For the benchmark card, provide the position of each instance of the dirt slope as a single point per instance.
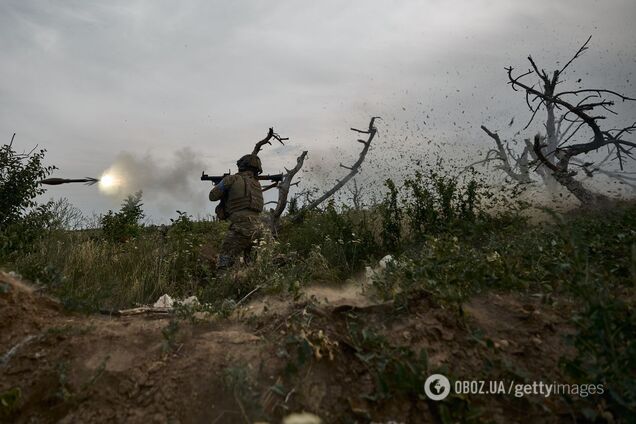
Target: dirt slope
(269, 359)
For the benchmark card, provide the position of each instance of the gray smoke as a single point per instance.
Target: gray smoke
(163, 182)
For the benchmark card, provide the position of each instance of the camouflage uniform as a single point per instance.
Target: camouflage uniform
(243, 206)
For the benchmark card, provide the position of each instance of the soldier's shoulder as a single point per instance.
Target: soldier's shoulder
(245, 174)
(230, 179)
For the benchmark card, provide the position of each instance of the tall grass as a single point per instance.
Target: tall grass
(90, 269)
(451, 237)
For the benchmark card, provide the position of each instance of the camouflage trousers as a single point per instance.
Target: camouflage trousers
(246, 229)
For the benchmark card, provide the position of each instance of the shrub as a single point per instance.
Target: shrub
(22, 220)
(438, 202)
(606, 353)
(124, 225)
(344, 237)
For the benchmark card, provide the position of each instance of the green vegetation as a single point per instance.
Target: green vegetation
(124, 225)
(451, 236)
(22, 220)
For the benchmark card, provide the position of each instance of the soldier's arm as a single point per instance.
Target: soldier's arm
(221, 188)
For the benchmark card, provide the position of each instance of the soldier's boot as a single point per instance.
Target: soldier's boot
(224, 262)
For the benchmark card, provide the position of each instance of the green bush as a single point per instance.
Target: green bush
(185, 242)
(499, 252)
(22, 220)
(606, 354)
(438, 202)
(124, 225)
(346, 238)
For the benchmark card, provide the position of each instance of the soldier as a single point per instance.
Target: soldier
(242, 203)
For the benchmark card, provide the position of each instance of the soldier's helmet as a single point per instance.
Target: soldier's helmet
(250, 163)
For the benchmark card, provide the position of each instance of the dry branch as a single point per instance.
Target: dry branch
(285, 184)
(142, 310)
(371, 131)
(356, 194)
(267, 140)
(503, 154)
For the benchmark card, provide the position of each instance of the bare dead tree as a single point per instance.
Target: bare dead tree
(577, 114)
(558, 152)
(559, 132)
(66, 216)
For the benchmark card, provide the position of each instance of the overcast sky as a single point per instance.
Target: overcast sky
(196, 83)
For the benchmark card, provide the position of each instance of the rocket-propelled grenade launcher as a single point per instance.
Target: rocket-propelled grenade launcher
(58, 181)
(275, 178)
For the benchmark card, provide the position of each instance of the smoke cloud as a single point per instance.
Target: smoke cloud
(162, 182)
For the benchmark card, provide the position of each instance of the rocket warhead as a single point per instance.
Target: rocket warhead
(58, 181)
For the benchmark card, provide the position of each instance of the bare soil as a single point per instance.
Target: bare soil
(245, 368)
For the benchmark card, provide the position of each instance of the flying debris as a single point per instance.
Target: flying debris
(58, 181)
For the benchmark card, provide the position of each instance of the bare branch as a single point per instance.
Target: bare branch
(270, 134)
(578, 53)
(534, 113)
(371, 131)
(599, 139)
(623, 177)
(541, 75)
(597, 91)
(573, 133)
(509, 70)
(503, 153)
(356, 194)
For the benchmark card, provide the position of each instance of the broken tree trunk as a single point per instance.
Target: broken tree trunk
(283, 191)
(567, 180)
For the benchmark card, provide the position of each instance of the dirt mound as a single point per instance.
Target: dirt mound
(333, 352)
(26, 311)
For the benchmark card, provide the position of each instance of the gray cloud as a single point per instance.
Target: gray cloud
(87, 80)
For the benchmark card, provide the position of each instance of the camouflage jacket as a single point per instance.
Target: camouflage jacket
(238, 192)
